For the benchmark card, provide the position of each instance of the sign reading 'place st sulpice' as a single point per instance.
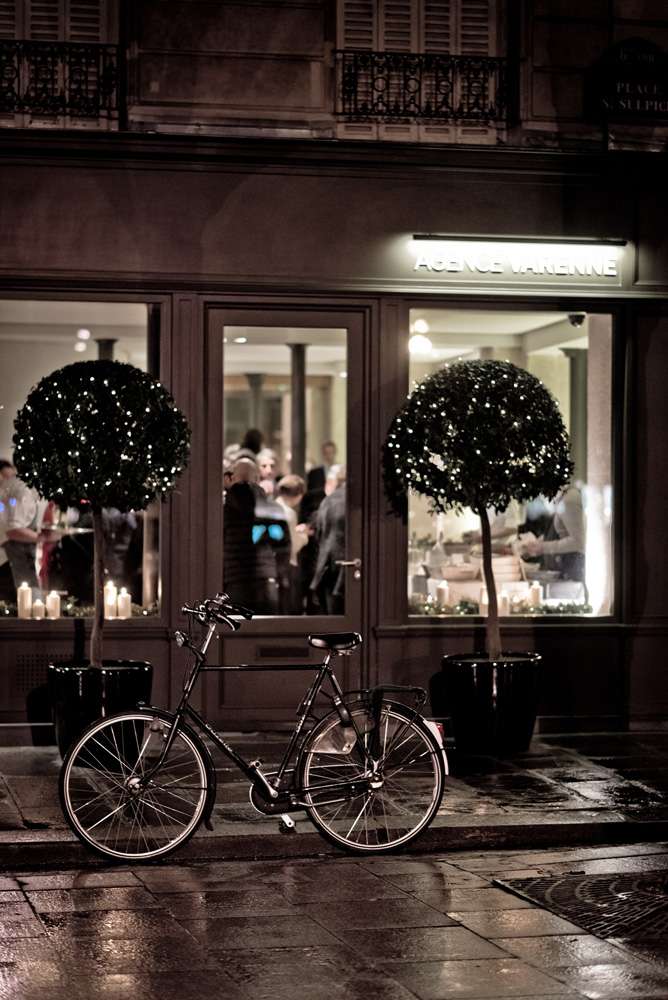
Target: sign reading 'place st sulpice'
(518, 263)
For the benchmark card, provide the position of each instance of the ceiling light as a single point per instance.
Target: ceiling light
(83, 334)
(343, 374)
(241, 340)
(420, 345)
(80, 345)
(421, 326)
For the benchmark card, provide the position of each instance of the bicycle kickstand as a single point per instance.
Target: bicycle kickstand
(286, 824)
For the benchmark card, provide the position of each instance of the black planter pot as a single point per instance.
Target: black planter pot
(492, 703)
(80, 694)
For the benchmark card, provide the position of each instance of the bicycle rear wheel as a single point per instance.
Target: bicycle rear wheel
(104, 798)
(379, 811)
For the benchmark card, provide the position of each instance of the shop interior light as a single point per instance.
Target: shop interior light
(419, 344)
(421, 326)
(80, 345)
(553, 240)
(83, 334)
(241, 340)
(343, 374)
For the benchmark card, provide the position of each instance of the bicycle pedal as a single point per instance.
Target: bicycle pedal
(286, 824)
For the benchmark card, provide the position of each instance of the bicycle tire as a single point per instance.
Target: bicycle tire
(99, 773)
(384, 818)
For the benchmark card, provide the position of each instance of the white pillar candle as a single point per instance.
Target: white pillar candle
(38, 609)
(24, 601)
(110, 599)
(443, 593)
(124, 604)
(535, 594)
(504, 603)
(53, 604)
(484, 601)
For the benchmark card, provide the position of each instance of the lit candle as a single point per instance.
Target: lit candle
(504, 603)
(53, 604)
(484, 601)
(38, 609)
(110, 599)
(24, 601)
(443, 593)
(535, 594)
(124, 604)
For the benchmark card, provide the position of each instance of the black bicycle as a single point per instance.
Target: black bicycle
(369, 773)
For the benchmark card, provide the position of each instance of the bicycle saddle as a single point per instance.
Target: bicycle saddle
(336, 641)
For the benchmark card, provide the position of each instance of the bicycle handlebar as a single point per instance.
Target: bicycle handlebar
(220, 609)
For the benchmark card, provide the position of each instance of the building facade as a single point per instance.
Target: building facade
(273, 203)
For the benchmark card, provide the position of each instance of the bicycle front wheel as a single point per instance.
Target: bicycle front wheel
(378, 809)
(110, 806)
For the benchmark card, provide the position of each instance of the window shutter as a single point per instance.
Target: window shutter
(477, 35)
(437, 27)
(357, 24)
(8, 19)
(398, 26)
(46, 21)
(86, 20)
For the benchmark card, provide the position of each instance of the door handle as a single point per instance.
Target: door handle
(356, 563)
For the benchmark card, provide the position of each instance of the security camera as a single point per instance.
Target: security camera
(576, 319)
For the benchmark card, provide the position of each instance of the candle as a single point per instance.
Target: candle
(443, 593)
(38, 609)
(110, 599)
(53, 604)
(484, 601)
(504, 603)
(124, 604)
(24, 601)
(535, 594)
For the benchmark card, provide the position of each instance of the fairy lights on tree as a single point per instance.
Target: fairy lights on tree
(477, 434)
(106, 433)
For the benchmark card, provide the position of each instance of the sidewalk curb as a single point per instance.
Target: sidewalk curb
(24, 851)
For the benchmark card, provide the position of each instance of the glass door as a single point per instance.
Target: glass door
(285, 414)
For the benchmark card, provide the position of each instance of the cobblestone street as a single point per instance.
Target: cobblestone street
(429, 927)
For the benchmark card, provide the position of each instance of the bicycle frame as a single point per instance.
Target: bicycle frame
(252, 768)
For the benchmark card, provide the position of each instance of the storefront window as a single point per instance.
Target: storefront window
(284, 467)
(37, 338)
(551, 556)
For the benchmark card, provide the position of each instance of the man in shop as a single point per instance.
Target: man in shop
(330, 535)
(20, 522)
(315, 478)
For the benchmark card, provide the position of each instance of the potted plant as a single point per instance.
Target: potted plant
(108, 435)
(479, 434)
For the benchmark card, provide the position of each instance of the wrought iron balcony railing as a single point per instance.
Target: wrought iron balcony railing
(59, 79)
(421, 87)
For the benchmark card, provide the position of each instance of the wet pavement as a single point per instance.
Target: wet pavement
(398, 928)
(568, 789)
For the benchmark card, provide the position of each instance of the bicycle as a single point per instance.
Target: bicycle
(369, 773)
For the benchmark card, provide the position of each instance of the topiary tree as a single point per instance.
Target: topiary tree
(477, 434)
(106, 433)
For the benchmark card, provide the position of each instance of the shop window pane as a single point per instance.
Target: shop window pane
(284, 463)
(37, 338)
(550, 556)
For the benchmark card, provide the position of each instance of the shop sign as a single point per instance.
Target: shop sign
(629, 84)
(513, 262)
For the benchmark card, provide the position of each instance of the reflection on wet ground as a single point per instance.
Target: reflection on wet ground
(396, 928)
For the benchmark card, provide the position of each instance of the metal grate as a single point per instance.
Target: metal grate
(31, 671)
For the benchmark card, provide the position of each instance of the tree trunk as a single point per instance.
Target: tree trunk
(98, 590)
(493, 632)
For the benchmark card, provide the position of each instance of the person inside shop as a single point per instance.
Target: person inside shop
(562, 547)
(21, 515)
(330, 535)
(267, 464)
(290, 493)
(503, 525)
(315, 478)
(252, 440)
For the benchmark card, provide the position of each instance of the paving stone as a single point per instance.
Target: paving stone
(493, 978)
(448, 878)
(79, 880)
(63, 900)
(135, 924)
(11, 896)
(26, 950)
(234, 933)
(100, 956)
(473, 899)
(152, 986)
(220, 902)
(600, 982)
(409, 944)
(369, 913)
(515, 923)
(24, 928)
(555, 951)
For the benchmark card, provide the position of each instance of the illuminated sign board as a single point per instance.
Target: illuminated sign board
(513, 261)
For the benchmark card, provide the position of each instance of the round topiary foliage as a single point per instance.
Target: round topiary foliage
(101, 431)
(477, 434)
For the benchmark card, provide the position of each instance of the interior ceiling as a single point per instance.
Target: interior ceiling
(488, 321)
(78, 314)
